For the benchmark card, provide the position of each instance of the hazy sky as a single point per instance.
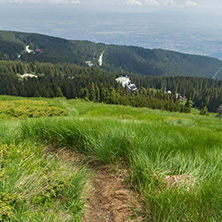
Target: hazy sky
(213, 5)
(192, 26)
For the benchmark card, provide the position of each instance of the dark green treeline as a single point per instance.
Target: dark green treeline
(71, 81)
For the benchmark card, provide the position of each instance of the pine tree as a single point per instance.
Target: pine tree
(97, 94)
(189, 104)
(93, 93)
(14, 91)
(204, 111)
(59, 92)
(37, 94)
(84, 94)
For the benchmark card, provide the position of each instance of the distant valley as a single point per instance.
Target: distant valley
(191, 33)
(156, 62)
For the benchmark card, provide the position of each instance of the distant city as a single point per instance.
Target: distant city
(186, 33)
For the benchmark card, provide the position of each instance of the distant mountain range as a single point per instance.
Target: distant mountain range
(42, 48)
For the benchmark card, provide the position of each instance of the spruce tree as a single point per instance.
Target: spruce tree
(93, 93)
(188, 104)
(59, 92)
(204, 111)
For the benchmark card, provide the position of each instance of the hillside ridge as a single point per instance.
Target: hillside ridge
(116, 58)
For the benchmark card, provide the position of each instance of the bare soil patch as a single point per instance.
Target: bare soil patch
(109, 198)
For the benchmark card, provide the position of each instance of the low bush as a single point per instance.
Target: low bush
(29, 109)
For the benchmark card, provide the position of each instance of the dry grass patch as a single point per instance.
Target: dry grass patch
(182, 181)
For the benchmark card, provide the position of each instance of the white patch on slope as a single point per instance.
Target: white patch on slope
(101, 58)
(27, 49)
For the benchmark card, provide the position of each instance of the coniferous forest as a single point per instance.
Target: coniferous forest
(147, 62)
(97, 85)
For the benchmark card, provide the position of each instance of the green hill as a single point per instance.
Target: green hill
(172, 160)
(53, 49)
(116, 58)
(159, 62)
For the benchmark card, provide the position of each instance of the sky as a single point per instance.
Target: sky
(191, 26)
(134, 5)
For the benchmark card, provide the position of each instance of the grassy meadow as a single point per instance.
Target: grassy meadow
(174, 160)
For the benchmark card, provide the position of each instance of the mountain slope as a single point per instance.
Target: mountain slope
(159, 62)
(54, 49)
(147, 62)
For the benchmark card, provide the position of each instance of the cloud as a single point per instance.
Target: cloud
(191, 3)
(173, 3)
(186, 4)
(133, 2)
(169, 3)
(152, 2)
(41, 1)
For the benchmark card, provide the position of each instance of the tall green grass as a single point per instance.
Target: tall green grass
(154, 151)
(9, 131)
(36, 185)
(174, 160)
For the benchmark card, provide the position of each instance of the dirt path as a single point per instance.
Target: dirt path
(110, 200)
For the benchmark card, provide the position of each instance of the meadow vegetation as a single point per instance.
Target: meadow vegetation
(173, 160)
(25, 108)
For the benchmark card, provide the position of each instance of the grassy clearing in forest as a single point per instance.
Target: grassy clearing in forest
(174, 159)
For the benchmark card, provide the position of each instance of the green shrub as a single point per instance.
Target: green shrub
(204, 111)
(26, 108)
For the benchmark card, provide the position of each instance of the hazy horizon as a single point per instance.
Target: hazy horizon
(185, 26)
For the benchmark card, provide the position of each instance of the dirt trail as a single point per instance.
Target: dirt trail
(110, 200)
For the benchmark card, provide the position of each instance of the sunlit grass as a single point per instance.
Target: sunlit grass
(174, 160)
(34, 185)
